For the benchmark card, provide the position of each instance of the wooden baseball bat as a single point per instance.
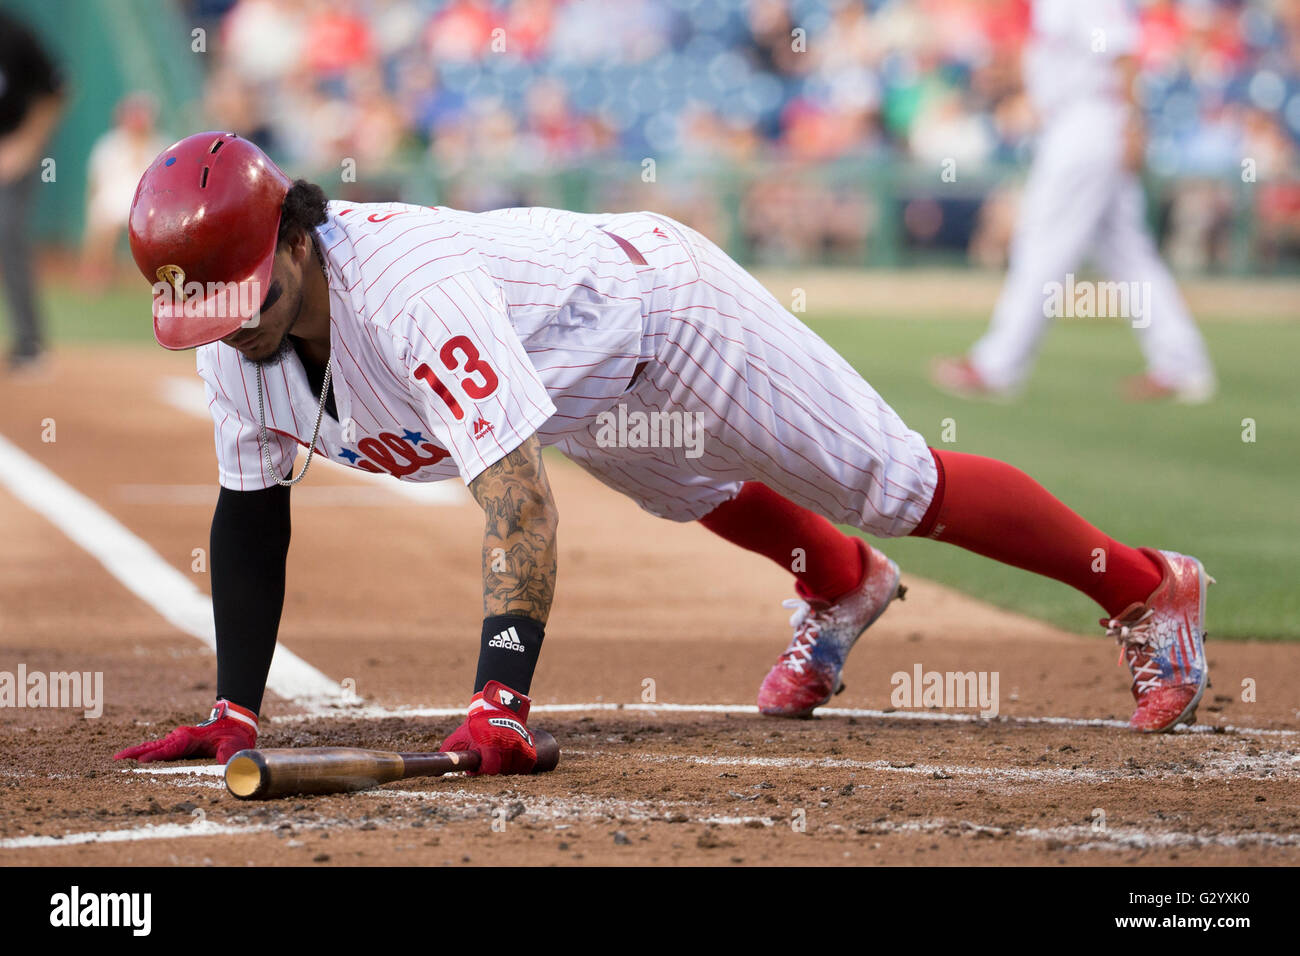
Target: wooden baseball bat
(266, 774)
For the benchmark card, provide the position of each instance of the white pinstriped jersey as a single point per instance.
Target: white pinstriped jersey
(454, 336)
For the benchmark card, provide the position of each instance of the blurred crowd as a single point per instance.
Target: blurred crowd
(786, 90)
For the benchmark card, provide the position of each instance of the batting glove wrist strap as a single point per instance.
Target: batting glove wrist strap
(511, 645)
(496, 728)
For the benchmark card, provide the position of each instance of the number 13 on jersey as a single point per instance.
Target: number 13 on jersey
(460, 355)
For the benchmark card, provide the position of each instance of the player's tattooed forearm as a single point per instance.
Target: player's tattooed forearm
(519, 537)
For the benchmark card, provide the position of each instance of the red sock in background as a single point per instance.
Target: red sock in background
(993, 509)
(758, 519)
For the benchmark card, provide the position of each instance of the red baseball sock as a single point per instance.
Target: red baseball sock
(993, 509)
(758, 519)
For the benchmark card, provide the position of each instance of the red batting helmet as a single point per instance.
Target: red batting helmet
(203, 229)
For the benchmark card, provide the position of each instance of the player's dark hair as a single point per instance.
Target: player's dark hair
(303, 208)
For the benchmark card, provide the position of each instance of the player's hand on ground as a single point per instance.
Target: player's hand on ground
(228, 730)
(497, 730)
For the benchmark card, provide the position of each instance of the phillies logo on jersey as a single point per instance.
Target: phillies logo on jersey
(396, 455)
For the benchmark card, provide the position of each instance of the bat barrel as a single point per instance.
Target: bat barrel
(264, 774)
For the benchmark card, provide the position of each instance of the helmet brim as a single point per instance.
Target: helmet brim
(186, 322)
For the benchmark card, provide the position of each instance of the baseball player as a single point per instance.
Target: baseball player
(428, 343)
(1084, 200)
(33, 96)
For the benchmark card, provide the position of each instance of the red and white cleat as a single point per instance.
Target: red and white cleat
(807, 674)
(1163, 643)
(1149, 388)
(957, 376)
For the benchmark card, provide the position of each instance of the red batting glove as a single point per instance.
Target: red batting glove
(227, 731)
(497, 730)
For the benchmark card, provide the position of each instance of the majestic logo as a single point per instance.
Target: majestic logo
(507, 640)
(481, 427)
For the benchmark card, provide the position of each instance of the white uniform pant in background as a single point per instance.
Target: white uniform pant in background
(1081, 204)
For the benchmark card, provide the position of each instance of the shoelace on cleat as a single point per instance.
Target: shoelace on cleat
(1134, 638)
(807, 629)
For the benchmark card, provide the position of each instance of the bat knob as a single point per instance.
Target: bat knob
(548, 751)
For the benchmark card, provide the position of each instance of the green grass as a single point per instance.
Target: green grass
(1166, 476)
(118, 315)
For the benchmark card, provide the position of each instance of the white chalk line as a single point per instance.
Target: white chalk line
(617, 810)
(345, 708)
(198, 770)
(1266, 766)
(151, 831)
(643, 811)
(142, 570)
(583, 807)
(187, 395)
(1274, 764)
(1107, 838)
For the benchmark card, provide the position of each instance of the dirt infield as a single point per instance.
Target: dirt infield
(383, 600)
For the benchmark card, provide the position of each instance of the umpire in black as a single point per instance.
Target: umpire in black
(31, 99)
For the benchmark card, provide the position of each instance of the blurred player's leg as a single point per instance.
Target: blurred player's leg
(1068, 193)
(1177, 361)
(16, 267)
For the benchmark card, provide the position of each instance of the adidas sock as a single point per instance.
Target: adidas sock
(508, 651)
(760, 520)
(994, 509)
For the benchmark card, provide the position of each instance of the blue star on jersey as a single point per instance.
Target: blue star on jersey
(415, 438)
(349, 454)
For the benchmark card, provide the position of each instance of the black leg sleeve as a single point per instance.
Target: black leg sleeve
(249, 547)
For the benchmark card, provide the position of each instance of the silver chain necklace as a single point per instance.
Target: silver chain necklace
(320, 412)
